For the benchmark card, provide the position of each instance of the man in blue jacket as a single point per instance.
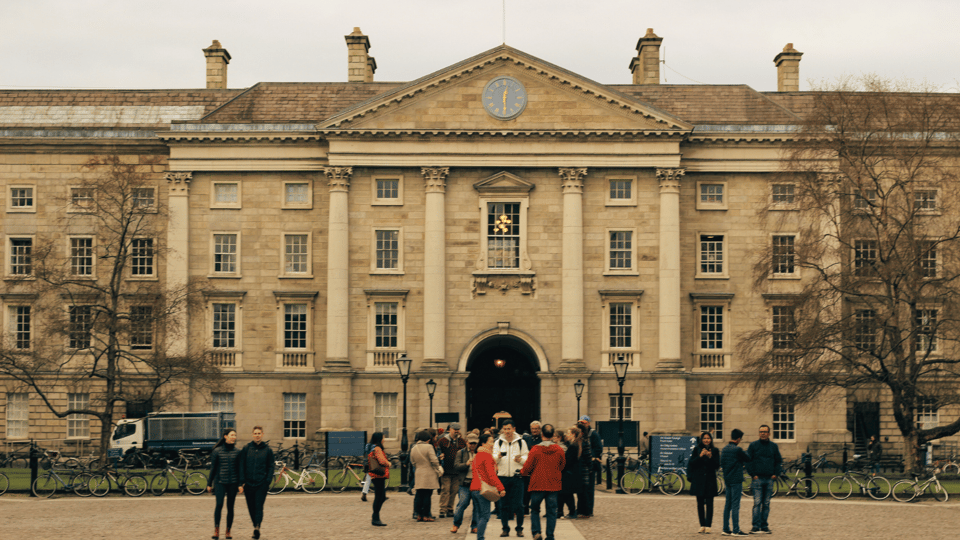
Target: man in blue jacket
(764, 466)
(732, 458)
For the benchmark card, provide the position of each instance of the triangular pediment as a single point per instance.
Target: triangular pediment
(503, 183)
(559, 101)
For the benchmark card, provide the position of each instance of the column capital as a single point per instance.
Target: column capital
(338, 178)
(179, 182)
(435, 178)
(670, 178)
(572, 178)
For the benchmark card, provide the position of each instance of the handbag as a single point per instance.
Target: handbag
(489, 492)
(373, 464)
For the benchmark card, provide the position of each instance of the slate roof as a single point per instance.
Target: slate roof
(713, 104)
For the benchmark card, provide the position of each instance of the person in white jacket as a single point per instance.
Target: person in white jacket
(510, 453)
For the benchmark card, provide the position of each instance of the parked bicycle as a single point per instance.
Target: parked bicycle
(46, 485)
(4, 483)
(193, 482)
(133, 484)
(874, 485)
(908, 490)
(805, 488)
(310, 479)
(347, 476)
(668, 482)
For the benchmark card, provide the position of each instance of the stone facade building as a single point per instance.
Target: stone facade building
(510, 226)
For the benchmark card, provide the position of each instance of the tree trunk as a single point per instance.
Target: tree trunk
(911, 452)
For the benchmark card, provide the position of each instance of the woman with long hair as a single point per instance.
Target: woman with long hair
(379, 480)
(484, 469)
(225, 479)
(570, 476)
(702, 472)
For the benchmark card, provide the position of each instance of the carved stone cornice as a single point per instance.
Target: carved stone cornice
(525, 282)
(338, 178)
(670, 179)
(572, 179)
(435, 178)
(179, 182)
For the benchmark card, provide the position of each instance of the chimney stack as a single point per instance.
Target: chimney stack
(646, 65)
(360, 65)
(788, 69)
(217, 60)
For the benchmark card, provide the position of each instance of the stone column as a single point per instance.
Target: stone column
(338, 270)
(434, 269)
(178, 238)
(669, 297)
(571, 281)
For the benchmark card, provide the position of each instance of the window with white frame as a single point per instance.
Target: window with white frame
(386, 324)
(503, 235)
(385, 413)
(622, 255)
(783, 195)
(784, 255)
(620, 331)
(865, 199)
(928, 413)
(78, 425)
(141, 258)
(387, 190)
(297, 195)
(928, 264)
(224, 321)
(385, 327)
(18, 415)
(294, 416)
(925, 200)
(21, 199)
(621, 325)
(865, 258)
(221, 401)
(295, 326)
(141, 327)
(296, 255)
(925, 321)
(144, 199)
(225, 195)
(224, 325)
(711, 328)
(80, 327)
(226, 249)
(627, 406)
(621, 192)
(865, 330)
(20, 257)
(711, 196)
(21, 327)
(711, 254)
(711, 415)
(387, 250)
(784, 328)
(784, 418)
(81, 256)
(504, 201)
(82, 199)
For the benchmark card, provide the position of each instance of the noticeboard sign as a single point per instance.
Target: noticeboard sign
(671, 451)
(346, 443)
(610, 433)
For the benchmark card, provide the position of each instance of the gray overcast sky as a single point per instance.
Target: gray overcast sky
(157, 44)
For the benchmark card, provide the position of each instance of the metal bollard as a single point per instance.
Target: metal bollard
(296, 455)
(807, 470)
(34, 465)
(609, 474)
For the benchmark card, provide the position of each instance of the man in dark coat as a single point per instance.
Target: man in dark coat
(732, 458)
(764, 467)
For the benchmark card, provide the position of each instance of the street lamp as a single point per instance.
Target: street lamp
(431, 388)
(403, 364)
(578, 390)
(621, 367)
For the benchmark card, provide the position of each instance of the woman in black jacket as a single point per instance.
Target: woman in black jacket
(226, 478)
(570, 476)
(257, 462)
(702, 472)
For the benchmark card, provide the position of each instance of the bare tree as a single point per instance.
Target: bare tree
(872, 229)
(90, 313)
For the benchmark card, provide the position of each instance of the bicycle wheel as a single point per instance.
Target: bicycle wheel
(4, 483)
(938, 492)
(840, 487)
(72, 463)
(808, 488)
(45, 486)
(904, 491)
(951, 468)
(829, 466)
(633, 483)
(721, 485)
(747, 482)
(80, 482)
(135, 485)
(158, 485)
(312, 481)
(878, 487)
(99, 484)
(196, 483)
(671, 484)
(778, 486)
(340, 481)
(279, 483)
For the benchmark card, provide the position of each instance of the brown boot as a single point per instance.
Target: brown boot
(216, 533)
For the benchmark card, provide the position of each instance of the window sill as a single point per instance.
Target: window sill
(711, 208)
(621, 273)
(787, 277)
(620, 203)
(225, 207)
(387, 203)
(224, 276)
(783, 208)
(20, 278)
(292, 207)
(386, 272)
(143, 278)
(711, 276)
(21, 210)
(295, 276)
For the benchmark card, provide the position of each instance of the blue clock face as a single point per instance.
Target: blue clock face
(504, 98)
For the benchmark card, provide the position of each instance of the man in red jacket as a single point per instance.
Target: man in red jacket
(544, 467)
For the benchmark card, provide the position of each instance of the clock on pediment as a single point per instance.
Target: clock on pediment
(504, 98)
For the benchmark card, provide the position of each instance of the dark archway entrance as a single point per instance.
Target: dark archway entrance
(514, 388)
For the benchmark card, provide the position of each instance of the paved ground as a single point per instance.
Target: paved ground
(324, 516)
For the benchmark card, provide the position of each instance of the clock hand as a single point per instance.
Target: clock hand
(505, 90)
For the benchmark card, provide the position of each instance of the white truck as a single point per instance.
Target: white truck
(169, 432)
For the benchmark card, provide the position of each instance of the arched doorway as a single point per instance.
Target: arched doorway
(503, 377)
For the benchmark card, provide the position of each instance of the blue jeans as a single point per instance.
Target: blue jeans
(481, 508)
(536, 497)
(731, 508)
(462, 502)
(762, 491)
(512, 503)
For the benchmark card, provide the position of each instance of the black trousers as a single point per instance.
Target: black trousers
(230, 491)
(256, 496)
(566, 499)
(585, 494)
(421, 502)
(379, 496)
(705, 510)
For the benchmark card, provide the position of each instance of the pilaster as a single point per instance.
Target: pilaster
(669, 308)
(571, 304)
(338, 270)
(434, 269)
(178, 239)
